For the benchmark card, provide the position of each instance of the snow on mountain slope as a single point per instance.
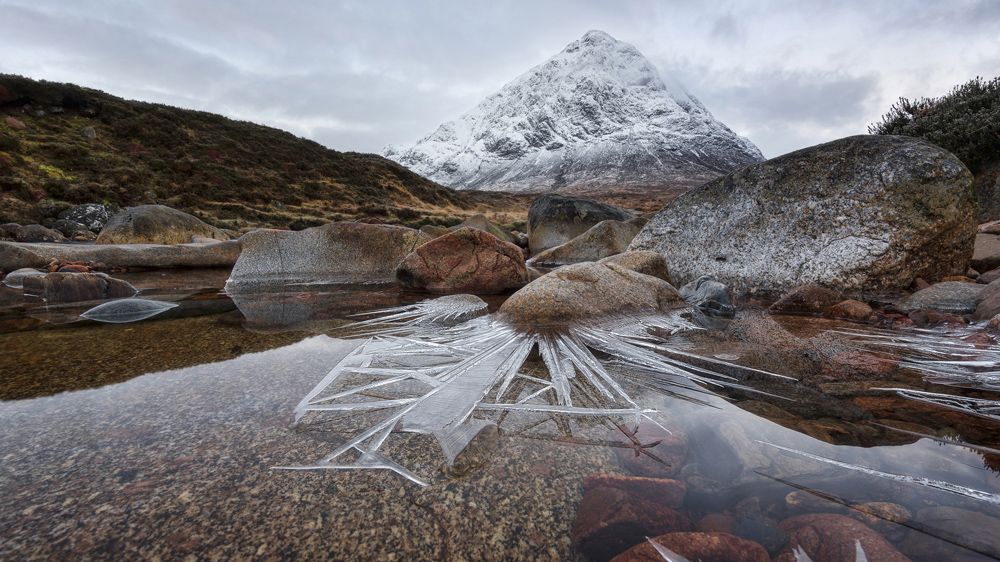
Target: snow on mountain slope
(595, 116)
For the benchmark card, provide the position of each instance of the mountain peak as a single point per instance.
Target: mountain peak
(597, 114)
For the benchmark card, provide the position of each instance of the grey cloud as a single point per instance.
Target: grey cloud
(358, 75)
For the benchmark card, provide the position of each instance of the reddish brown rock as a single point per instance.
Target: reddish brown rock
(830, 538)
(715, 523)
(953, 534)
(925, 318)
(650, 450)
(76, 287)
(806, 299)
(467, 260)
(706, 547)
(994, 324)
(663, 491)
(852, 365)
(850, 309)
(611, 520)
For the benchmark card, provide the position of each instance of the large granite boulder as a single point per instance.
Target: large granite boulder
(864, 213)
(156, 224)
(555, 219)
(467, 260)
(340, 252)
(604, 239)
(588, 290)
(58, 288)
(91, 215)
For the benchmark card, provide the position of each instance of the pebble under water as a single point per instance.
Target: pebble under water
(159, 438)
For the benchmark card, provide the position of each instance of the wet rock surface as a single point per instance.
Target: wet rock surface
(610, 520)
(555, 219)
(807, 299)
(865, 213)
(467, 260)
(155, 224)
(604, 239)
(831, 538)
(709, 296)
(706, 547)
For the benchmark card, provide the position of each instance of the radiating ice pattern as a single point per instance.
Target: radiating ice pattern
(446, 369)
(122, 311)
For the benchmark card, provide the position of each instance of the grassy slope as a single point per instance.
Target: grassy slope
(230, 173)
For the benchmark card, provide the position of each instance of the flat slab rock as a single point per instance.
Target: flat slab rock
(863, 213)
(18, 255)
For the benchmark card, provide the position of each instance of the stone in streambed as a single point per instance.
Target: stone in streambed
(706, 547)
(467, 260)
(807, 299)
(950, 297)
(831, 538)
(58, 288)
(610, 520)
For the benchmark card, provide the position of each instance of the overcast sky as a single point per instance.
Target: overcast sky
(361, 75)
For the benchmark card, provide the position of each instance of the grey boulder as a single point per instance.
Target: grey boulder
(604, 239)
(864, 213)
(953, 297)
(555, 219)
(340, 252)
(156, 224)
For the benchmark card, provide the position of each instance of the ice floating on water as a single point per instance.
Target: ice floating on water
(122, 311)
(859, 553)
(15, 279)
(917, 480)
(444, 368)
(981, 407)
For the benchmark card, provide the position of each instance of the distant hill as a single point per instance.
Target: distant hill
(63, 144)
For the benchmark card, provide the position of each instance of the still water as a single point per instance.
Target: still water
(159, 440)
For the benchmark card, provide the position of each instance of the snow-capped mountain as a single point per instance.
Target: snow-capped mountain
(595, 116)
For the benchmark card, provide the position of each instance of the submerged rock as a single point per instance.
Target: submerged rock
(959, 528)
(555, 219)
(155, 224)
(464, 261)
(610, 520)
(651, 451)
(58, 288)
(705, 547)
(588, 290)
(953, 297)
(831, 538)
(340, 252)
(604, 239)
(663, 491)
(864, 213)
